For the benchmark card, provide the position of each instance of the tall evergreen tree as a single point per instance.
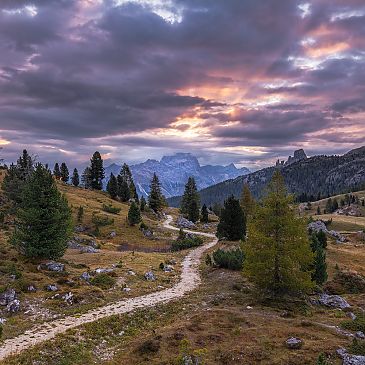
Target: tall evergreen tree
(86, 178)
(247, 202)
(75, 178)
(112, 186)
(190, 201)
(65, 175)
(155, 198)
(232, 224)
(133, 191)
(143, 204)
(277, 252)
(319, 273)
(44, 221)
(57, 171)
(123, 189)
(25, 165)
(126, 174)
(134, 214)
(204, 215)
(97, 171)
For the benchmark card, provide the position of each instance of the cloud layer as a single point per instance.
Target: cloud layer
(236, 80)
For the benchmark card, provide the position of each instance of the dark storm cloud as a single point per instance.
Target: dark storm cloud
(71, 72)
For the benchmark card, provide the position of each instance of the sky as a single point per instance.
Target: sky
(243, 81)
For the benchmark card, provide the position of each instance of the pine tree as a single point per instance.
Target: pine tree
(80, 213)
(155, 198)
(86, 178)
(318, 210)
(44, 221)
(232, 224)
(25, 165)
(65, 175)
(277, 253)
(112, 186)
(329, 206)
(204, 216)
(143, 204)
(96, 171)
(123, 189)
(75, 178)
(133, 191)
(134, 214)
(322, 238)
(57, 171)
(190, 201)
(247, 202)
(319, 273)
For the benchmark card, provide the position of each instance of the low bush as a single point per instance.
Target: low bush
(103, 281)
(111, 209)
(357, 324)
(228, 259)
(185, 241)
(100, 221)
(357, 347)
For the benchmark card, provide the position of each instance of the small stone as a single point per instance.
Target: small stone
(2, 321)
(112, 234)
(131, 272)
(150, 276)
(7, 296)
(294, 343)
(13, 306)
(31, 289)
(103, 271)
(88, 249)
(68, 298)
(249, 307)
(126, 289)
(360, 334)
(85, 276)
(351, 315)
(168, 268)
(51, 287)
(121, 333)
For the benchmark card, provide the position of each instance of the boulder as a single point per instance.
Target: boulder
(112, 234)
(350, 359)
(360, 334)
(294, 343)
(88, 249)
(7, 296)
(52, 266)
(184, 223)
(147, 233)
(103, 271)
(334, 301)
(13, 306)
(168, 268)
(150, 276)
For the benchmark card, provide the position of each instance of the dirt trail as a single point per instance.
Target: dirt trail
(190, 279)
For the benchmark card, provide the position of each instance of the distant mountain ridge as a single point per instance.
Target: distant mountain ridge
(173, 172)
(315, 176)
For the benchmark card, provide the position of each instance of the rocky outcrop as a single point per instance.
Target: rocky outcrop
(319, 225)
(182, 222)
(349, 359)
(7, 296)
(333, 301)
(52, 266)
(299, 155)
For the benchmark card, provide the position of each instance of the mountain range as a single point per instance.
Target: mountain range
(174, 171)
(307, 178)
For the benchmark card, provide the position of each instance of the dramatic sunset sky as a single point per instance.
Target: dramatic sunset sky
(243, 81)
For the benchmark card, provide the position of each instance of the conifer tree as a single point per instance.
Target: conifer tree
(232, 224)
(25, 165)
(134, 214)
(44, 222)
(277, 253)
(247, 202)
(319, 273)
(65, 175)
(96, 171)
(126, 174)
(86, 178)
(322, 238)
(133, 191)
(204, 216)
(155, 198)
(143, 204)
(318, 210)
(123, 189)
(190, 201)
(112, 186)
(75, 178)
(57, 171)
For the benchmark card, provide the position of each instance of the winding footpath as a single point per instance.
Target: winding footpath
(190, 279)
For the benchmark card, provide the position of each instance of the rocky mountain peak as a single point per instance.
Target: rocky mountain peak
(299, 155)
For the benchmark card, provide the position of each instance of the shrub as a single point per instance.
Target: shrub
(102, 220)
(103, 281)
(229, 259)
(111, 209)
(1, 330)
(143, 226)
(185, 241)
(357, 324)
(357, 347)
(322, 359)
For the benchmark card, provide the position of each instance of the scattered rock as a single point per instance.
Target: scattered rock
(7, 296)
(13, 306)
(112, 234)
(150, 276)
(351, 315)
(360, 334)
(294, 343)
(350, 359)
(319, 225)
(2, 320)
(184, 223)
(88, 249)
(147, 233)
(73, 244)
(68, 298)
(334, 301)
(80, 229)
(126, 289)
(360, 235)
(349, 210)
(131, 272)
(85, 276)
(31, 289)
(52, 266)
(51, 287)
(103, 271)
(168, 268)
